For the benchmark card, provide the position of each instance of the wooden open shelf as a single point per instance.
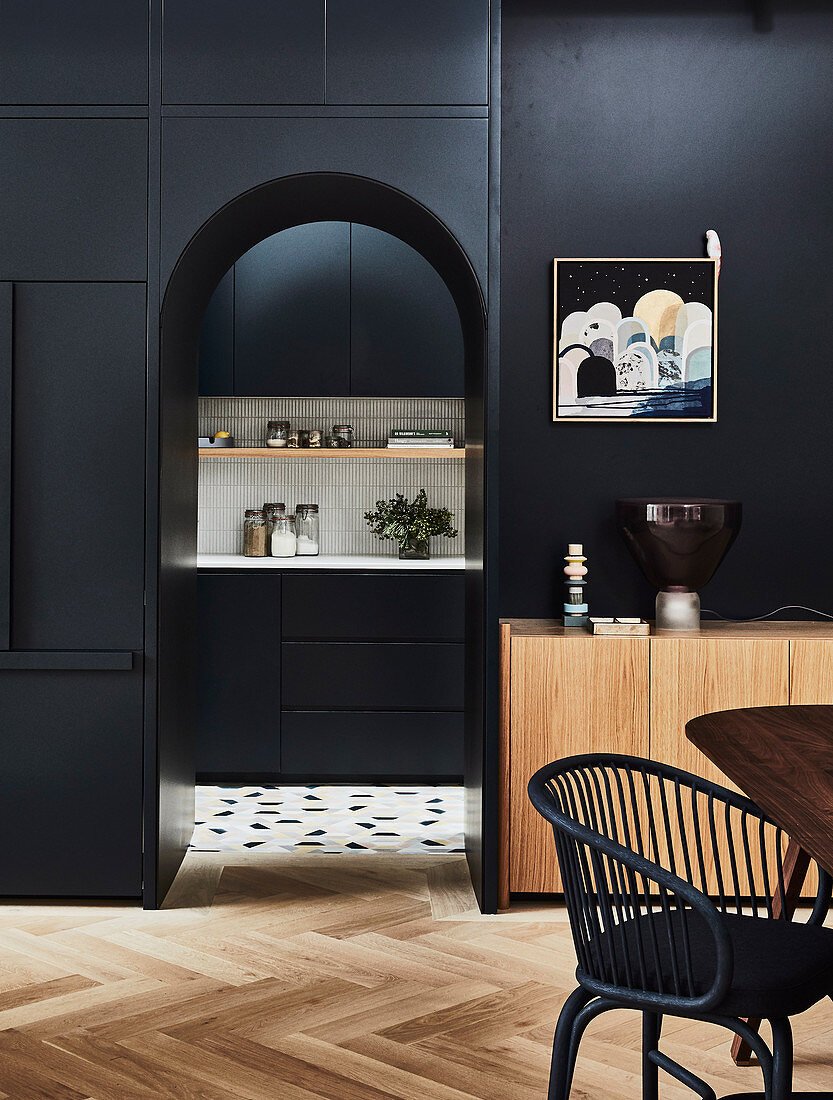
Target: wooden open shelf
(332, 452)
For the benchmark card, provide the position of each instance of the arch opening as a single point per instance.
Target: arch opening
(235, 228)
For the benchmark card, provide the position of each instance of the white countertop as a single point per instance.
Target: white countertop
(327, 561)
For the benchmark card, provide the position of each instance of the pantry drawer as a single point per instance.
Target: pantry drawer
(376, 675)
(362, 606)
(372, 744)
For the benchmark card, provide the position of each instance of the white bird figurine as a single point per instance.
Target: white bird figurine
(713, 250)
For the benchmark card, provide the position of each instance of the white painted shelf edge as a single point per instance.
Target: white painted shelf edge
(389, 562)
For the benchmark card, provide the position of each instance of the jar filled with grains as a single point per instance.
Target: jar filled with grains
(254, 533)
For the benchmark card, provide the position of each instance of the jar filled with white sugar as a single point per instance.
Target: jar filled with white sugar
(307, 528)
(283, 537)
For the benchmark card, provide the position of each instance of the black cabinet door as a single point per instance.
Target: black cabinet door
(71, 811)
(217, 341)
(399, 51)
(78, 478)
(372, 675)
(239, 652)
(406, 339)
(292, 314)
(74, 199)
(249, 51)
(372, 744)
(373, 606)
(84, 52)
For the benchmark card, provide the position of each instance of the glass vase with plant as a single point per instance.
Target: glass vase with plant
(410, 523)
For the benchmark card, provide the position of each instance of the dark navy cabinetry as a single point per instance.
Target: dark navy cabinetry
(245, 51)
(84, 52)
(399, 51)
(74, 198)
(335, 309)
(358, 676)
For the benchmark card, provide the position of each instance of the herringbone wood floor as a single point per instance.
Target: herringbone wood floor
(292, 977)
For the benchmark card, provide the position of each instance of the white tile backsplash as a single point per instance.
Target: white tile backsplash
(343, 488)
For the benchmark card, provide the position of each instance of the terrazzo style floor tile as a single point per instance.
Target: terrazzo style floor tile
(335, 819)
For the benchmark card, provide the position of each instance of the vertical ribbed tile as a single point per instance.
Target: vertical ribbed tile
(343, 488)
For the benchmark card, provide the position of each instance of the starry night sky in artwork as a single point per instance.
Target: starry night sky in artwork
(582, 283)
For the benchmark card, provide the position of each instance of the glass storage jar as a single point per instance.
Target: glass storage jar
(277, 432)
(255, 531)
(307, 528)
(344, 434)
(273, 510)
(293, 438)
(314, 437)
(283, 542)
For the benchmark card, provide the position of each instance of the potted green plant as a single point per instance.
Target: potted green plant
(410, 523)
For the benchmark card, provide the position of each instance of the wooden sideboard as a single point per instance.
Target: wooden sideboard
(564, 692)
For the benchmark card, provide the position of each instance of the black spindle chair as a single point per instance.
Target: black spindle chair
(670, 884)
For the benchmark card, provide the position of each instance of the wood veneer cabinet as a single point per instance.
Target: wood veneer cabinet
(565, 692)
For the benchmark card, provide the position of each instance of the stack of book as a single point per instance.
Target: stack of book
(420, 437)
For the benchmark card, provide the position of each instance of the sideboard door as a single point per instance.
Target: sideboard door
(568, 696)
(811, 672)
(694, 676)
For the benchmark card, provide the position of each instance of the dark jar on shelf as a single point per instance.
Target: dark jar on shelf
(344, 434)
(255, 533)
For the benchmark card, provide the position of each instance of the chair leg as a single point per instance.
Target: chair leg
(782, 1060)
(564, 1049)
(651, 1027)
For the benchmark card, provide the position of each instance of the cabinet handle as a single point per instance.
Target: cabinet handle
(21, 660)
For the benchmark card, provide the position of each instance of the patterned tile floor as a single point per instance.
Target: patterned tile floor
(361, 818)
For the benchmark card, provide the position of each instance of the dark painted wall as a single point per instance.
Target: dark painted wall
(629, 132)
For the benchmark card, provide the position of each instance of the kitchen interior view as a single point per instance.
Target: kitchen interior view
(330, 645)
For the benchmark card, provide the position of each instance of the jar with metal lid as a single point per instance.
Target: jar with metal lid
(344, 434)
(273, 510)
(293, 439)
(277, 432)
(283, 541)
(306, 529)
(255, 531)
(314, 437)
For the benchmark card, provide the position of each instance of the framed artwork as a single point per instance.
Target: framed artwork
(635, 340)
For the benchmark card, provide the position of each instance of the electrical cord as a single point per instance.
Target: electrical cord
(769, 614)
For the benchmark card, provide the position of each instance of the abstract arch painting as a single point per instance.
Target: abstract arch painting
(635, 340)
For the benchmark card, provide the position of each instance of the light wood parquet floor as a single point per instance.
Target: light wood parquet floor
(286, 977)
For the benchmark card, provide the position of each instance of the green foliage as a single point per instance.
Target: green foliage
(404, 520)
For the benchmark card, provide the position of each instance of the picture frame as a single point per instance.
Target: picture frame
(635, 341)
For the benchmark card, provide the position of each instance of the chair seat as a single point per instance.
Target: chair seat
(780, 968)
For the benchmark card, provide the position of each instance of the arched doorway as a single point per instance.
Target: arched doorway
(230, 232)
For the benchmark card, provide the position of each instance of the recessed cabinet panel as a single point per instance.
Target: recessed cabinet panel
(383, 676)
(398, 51)
(238, 665)
(568, 696)
(249, 51)
(84, 52)
(74, 202)
(217, 341)
(373, 744)
(406, 339)
(71, 812)
(78, 487)
(356, 607)
(292, 314)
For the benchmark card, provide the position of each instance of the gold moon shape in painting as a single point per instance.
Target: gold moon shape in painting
(659, 309)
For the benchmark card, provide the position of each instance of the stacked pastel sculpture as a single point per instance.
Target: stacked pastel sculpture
(575, 603)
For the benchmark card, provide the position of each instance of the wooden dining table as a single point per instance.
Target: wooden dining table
(781, 758)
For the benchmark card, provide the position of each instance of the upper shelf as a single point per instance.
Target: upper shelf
(332, 452)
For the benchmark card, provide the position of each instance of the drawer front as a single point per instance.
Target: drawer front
(368, 607)
(372, 744)
(379, 676)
